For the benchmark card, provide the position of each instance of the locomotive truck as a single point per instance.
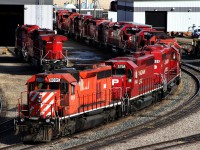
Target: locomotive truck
(68, 100)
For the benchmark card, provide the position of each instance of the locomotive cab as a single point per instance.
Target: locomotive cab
(132, 77)
(123, 76)
(23, 40)
(46, 50)
(62, 17)
(50, 90)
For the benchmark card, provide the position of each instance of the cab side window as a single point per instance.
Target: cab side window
(173, 55)
(130, 74)
(31, 86)
(64, 88)
(73, 89)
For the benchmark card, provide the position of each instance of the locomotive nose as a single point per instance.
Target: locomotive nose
(42, 104)
(117, 90)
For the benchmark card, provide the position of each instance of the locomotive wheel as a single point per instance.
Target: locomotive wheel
(21, 56)
(16, 51)
(198, 52)
(66, 132)
(156, 96)
(160, 95)
(178, 81)
(118, 112)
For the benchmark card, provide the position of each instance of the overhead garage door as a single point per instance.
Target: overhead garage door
(158, 19)
(11, 16)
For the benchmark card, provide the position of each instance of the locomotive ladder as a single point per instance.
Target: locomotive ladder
(125, 104)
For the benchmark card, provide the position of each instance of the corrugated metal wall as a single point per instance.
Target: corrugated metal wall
(180, 14)
(41, 15)
(125, 13)
(166, 3)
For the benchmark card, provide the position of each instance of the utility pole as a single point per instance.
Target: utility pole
(79, 6)
(95, 6)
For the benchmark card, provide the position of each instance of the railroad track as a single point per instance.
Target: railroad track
(172, 143)
(183, 110)
(3, 106)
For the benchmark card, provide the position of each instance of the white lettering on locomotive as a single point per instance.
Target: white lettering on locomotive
(155, 66)
(54, 80)
(166, 61)
(121, 66)
(141, 72)
(84, 85)
(156, 61)
(140, 81)
(73, 97)
(104, 86)
(166, 70)
(136, 74)
(136, 81)
(115, 81)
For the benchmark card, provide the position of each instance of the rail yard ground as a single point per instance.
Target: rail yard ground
(14, 74)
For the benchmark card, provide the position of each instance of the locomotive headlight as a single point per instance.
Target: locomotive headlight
(22, 119)
(39, 99)
(47, 120)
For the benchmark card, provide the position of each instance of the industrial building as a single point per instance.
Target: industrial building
(14, 12)
(166, 15)
(85, 4)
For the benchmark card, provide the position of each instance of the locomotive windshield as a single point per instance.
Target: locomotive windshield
(44, 86)
(53, 85)
(132, 31)
(65, 16)
(41, 85)
(119, 71)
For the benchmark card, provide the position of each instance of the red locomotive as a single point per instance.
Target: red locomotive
(70, 100)
(40, 47)
(23, 40)
(61, 20)
(120, 37)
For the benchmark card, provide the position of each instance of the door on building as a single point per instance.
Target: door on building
(158, 19)
(11, 16)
